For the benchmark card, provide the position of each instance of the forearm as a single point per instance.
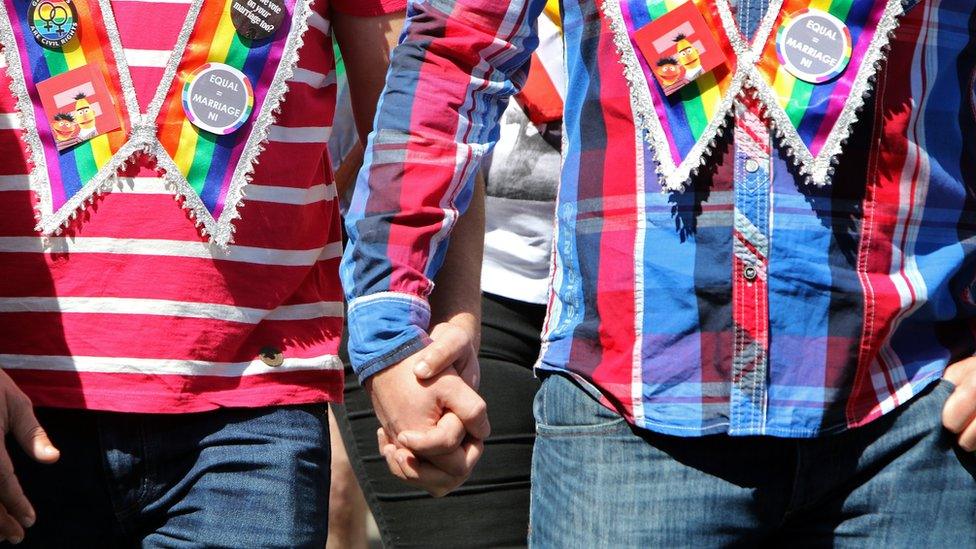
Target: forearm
(449, 80)
(456, 297)
(365, 43)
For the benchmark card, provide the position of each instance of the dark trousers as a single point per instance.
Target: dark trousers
(492, 508)
(228, 478)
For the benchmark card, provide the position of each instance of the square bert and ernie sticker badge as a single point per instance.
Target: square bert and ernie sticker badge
(78, 106)
(679, 47)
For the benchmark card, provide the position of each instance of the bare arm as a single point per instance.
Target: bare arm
(366, 43)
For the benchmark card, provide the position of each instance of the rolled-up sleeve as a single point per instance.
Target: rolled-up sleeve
(449, 81)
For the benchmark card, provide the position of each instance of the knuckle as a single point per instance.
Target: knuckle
(439, 492)
(967, 388)
(395, 471)
(479, 408)
(455, 437)
(435, 355)
(36, 432)
(452, 330)
(7, 483)
(20, 400)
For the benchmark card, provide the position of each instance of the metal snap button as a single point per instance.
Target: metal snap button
(750, 272)
(272, 357)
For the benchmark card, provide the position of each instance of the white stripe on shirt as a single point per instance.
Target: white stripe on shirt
(14, 183)
(147, 58)
(130, 365)
(252, 192)
(314, 79)
(171, 248)
(167, 307)
(306, 134)
(9, 121)
(317, 21)
(289, 195)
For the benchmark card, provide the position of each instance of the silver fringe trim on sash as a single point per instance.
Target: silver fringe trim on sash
(819, 170)
(747, 78)
(24, 110)
(674, 177)
(143, 137)
(258, 139)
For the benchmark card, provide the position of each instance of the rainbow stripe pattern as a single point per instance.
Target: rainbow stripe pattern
(686, 114)
(814, 108)
(70, 170)
(206, 160)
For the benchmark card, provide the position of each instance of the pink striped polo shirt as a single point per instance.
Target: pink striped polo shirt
(132, 310)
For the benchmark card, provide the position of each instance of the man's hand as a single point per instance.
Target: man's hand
(959, 413)
(17, 418)
(452, 346)
(432, 429)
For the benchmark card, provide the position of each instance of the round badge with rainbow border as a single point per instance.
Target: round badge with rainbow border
(217, 98)
(52, 22)
(813, 45)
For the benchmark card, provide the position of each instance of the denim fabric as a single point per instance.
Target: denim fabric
(749, 13)
(598, 482)
(229, 478)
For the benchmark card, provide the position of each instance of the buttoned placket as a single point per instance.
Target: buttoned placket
(750, 266)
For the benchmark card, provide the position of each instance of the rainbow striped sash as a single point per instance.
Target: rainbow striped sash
(70, 174)
(814, 119)
(212, 163)
(681, 128)
(208, 172)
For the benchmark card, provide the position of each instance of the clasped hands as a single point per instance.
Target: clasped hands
(433, 422)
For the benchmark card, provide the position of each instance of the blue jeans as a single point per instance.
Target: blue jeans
(897, 482)
(227, 478)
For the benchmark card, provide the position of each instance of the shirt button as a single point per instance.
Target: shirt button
(272, 357)
(750, 273)
(752, 166)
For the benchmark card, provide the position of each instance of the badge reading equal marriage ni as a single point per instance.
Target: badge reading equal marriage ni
(257, 19)
(679, 47)
(217, 98)
(52, 22)
(813, 45)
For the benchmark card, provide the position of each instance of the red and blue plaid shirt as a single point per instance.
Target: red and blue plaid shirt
(753, 302)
